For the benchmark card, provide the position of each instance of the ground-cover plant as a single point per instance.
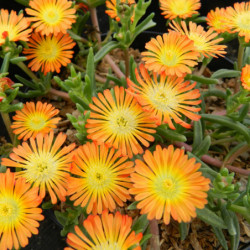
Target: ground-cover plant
(145, 141)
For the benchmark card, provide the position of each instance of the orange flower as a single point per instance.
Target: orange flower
(238, 19)
(118, 121)
(165, 99)
(106, 232)
(44, 164)
(51, 16)
(217, 20)
(33, 119)
(5, 83)
(204, 41)
(112, 9)
(245, 77)
(13, 26)
(179, 8)
(171, 54)
(168, 183)
(49, 53)
(101, 178)
(19, 212)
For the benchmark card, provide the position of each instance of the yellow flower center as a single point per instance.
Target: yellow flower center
(52, 15)
(169, 57)
(99, 177)
(243, 21)
(199, 41)
(163, 98)
(36, 122)
(122, 121)
(41, 167)
(180, 7)
(48, 50)
(107, 246)
(7, 30)
(9, 211)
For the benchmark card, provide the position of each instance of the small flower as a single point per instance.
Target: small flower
(49, 53)
(217, 20)
(171, 54)
(205, 42)
(13, 26)
(239, 19)
(44, 164)
(165, 99)
(19, 212)
(33, 119)
(179, 8)
(118, 121)
(168, 183)
(5, 83)
(112, 8)
(245, 77)
(101, 178)
(106, 232)
(51, 16)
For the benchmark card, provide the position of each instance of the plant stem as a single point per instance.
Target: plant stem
(62, 94)
(241, 210)
(222, 141)
(22, 66)
(126, 59)
(155, 238)
(240, 61)
(210, 160)
(7, 123)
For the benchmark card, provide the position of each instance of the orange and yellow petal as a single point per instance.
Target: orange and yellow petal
(245, 77)
(34, 118)
(51, 16)
(205, 42)
(107, 231)
(218, 21)
(179, 8)
(19, 212)
(44, 163)
(101, 178)
(117, 120)
(168, 184)
(239, 19)
(13, 26)
(170, 54)
(49, 53)
(165, 98)
(112, 9)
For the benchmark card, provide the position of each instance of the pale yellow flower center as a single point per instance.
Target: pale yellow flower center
(41, 167)
(107, 246)
(48, 50)
(163, 98)
(169, 57)
(199, 41)
(122, 121)
(99, 177)
(36, 122)
(9, 211)
(52, 15)
(11, 32)
(243, 21)
(180, 7)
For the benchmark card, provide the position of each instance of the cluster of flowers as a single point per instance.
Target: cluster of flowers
(100, 175)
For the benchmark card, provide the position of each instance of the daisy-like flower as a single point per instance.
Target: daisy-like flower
(205, 42)
(13, 26)
(118, 121)
(44, 164)
(165, 98)
(33, 119)
(107, 232)
(171, 54)
(217, 20)
(101, 178)
(168, 183)
(51, 16)
(245, 77)
(49, 53)
(112, 9)
(179, 8)
(239, 19)
(19, 212)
